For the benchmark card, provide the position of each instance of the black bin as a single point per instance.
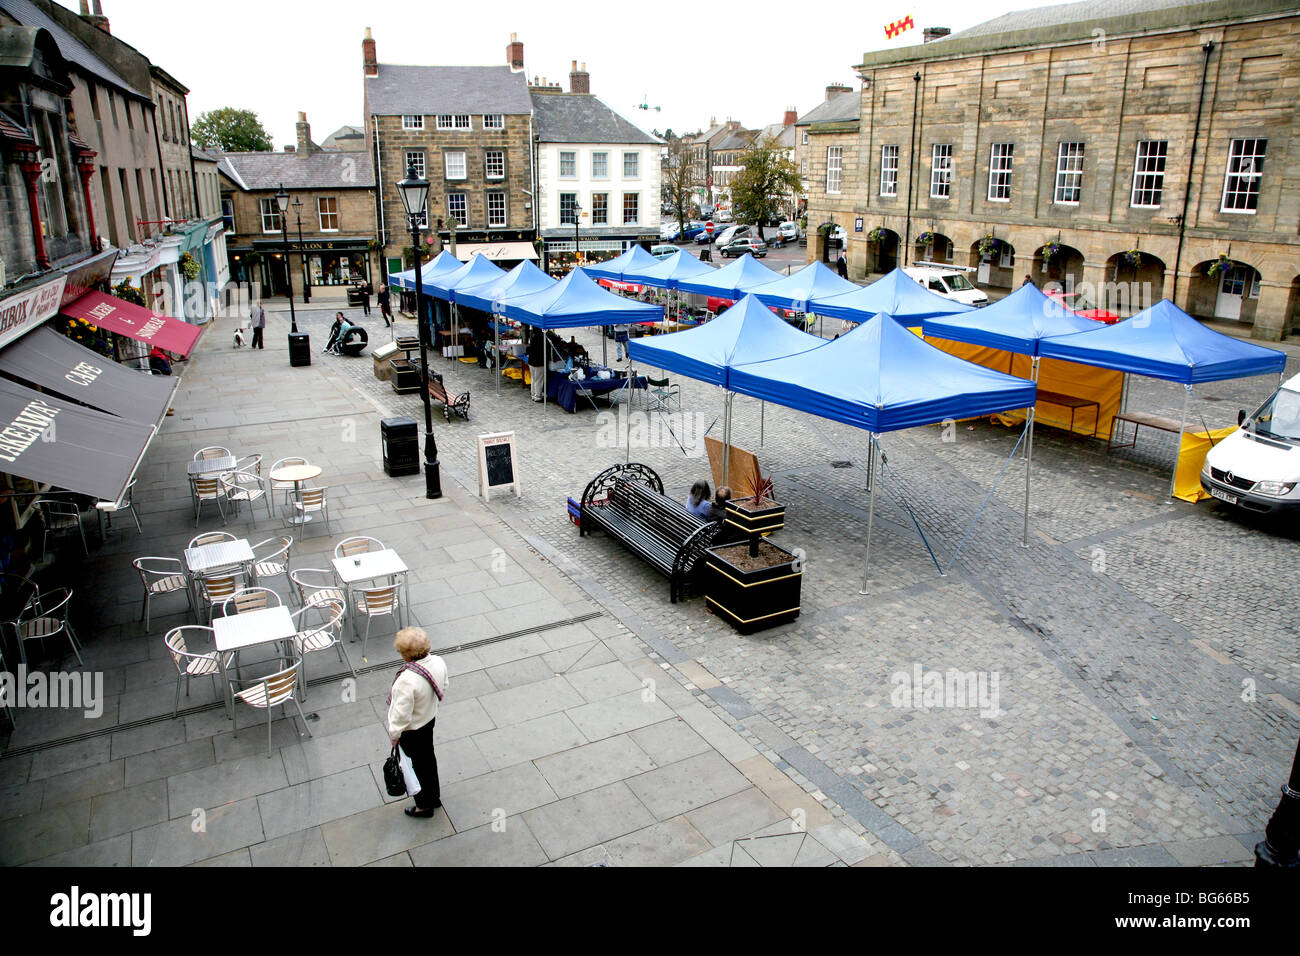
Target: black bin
(299, 349)
(400, 439)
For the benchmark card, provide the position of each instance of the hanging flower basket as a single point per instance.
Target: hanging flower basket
(129, 293)
(1133, 258)
(189, 266)
(1050, 251)
(875, 235)
(1218, 265)
(988, 246)
(925, 238)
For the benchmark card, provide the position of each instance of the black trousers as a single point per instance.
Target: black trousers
(257, 339)
(418, 745)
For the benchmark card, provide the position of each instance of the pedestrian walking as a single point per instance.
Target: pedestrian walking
(537, 364)
(1028, 281)
(385, 306)
(367, 291)
(258, 316)
(842, 266)
(621, 335)
(413, 701)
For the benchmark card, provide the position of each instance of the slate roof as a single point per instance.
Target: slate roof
(345, 133)
(1057, 16)
(840, 107)
(740, 139)
(427, 90)
(78, 55)
(784, 135)
(204, 156)
(581, 118)
(329, 169)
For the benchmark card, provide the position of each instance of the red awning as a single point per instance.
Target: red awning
(135, 322)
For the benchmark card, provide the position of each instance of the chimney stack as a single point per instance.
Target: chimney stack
(515, 54)
(835, 89)
(791, 117)
(579, 80)
(369, 65)
(288, 148)
(934, 33)
(96, 18)
(305, 145)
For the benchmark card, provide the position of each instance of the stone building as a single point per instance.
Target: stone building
(331, 206)
(173, 132)
(469, 131)
(595, 171)
(1118, 151)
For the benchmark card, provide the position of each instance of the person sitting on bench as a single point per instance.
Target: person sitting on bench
(338, 332)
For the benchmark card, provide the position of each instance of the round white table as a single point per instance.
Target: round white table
(297, 474)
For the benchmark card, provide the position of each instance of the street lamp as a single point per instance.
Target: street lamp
(282, 203)
(577, 241)
(414, 190)
(1280, 848)
(302, 254)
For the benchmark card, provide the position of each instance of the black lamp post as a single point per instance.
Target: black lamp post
(414, 190)
(282, 203)
(1280, 848)
(577, 241)
(302, 253)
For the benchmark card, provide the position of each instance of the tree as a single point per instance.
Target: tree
(767, 180)
(678, 181)
(232, 131)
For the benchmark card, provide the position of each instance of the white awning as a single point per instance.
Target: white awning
(495, 251)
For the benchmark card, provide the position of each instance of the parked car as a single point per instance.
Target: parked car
(788, 231)
(669, 230)
(1257, 467)
(703, 238)
(949, 283)
(738, 247)
(734, 232)
(662, 251)
(693, 229)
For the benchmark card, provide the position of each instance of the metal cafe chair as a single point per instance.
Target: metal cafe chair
(46, 616)
(216, 589)
(358, 544)
(60, 515)
(161, 576)
(286, 486)
(212, 451)
(249, 599)
(373, 603)
(320, 636)
(315, 586)
(127, 503)
(246, 486)
(273, 562)
(207, 488)
(263, 693)
(191, 664)
(311, 501)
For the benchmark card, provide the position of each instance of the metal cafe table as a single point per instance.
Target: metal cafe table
(208, 466)
(249, 629)
(222, 554)
(297, 474)
(370, 565)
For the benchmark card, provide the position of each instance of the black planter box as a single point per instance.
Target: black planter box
(763, 520)
(752, 600)
(405, 377)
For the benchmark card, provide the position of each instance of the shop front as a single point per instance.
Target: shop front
(317, 262)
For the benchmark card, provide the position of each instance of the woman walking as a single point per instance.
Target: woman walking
(412, 708)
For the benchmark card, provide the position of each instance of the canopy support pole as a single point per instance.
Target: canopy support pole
(726, 437)
(762, 422)
(1029, 456)
(871, 512)
(1178, 440)
(604, 346)
(546, 365)
(496, 349)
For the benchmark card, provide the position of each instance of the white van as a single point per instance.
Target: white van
(733, 232)
(948, 282)
(1257, 467)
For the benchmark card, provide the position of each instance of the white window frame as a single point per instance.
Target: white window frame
(805, 138)
(1144, 166)
(487, 164)
(833, 182)
(604, 214)
(636, 220)
(268, 208)
(559, 207)
(446, 164)
(420, 162)
(941, 171)
(321, 213)
(571, 161)
(1249, 172)
(494, 120)
(1001, 163)
(505, 209)
(1069, 173)
(604, 156)
(888, 183)
(464, 199)
(635, 157)
(1006, 258)
(411, 121)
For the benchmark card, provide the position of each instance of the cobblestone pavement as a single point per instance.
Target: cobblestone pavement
(1144, 651)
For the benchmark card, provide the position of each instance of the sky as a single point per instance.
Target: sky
(749, 62)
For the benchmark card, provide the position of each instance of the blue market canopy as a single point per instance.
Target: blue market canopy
(575, 301)
(1017, 323)
(882, 377)
(441, 264)
(635, 259)
(896, 293)
(523, 279)
(732, 281)
(478, 270)
(796, 290)
(747, 332)
(667, 272)
(1165, 342)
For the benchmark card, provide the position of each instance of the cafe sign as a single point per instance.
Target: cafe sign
(24, 311)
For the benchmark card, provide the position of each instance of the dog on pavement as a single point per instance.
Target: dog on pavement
(240, 334)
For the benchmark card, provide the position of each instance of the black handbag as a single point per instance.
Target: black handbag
(393, 779)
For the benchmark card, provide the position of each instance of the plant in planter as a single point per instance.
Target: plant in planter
(1133, 258)
(189, 266)
(1218, 265)
(988, 246)
(925, 238)
(754, 584)
(1050, 252)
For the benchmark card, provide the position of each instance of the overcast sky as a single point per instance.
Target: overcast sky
(749, 61)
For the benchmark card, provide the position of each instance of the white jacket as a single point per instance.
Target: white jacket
(413, 702)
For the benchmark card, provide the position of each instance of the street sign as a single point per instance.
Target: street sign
(708, 227)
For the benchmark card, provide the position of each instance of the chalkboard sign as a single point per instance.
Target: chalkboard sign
(496, 463)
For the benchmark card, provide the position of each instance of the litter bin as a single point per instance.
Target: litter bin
(299, 349)
(400, 440)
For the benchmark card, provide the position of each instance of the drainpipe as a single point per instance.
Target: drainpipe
(1208, 47)
(911, 169)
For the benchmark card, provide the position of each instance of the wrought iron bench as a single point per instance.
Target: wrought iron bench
(627, 502)
(459, 405)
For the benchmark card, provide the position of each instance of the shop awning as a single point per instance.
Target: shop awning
(135, 322)
(496, 251)
(47, 439)
(58, 364)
